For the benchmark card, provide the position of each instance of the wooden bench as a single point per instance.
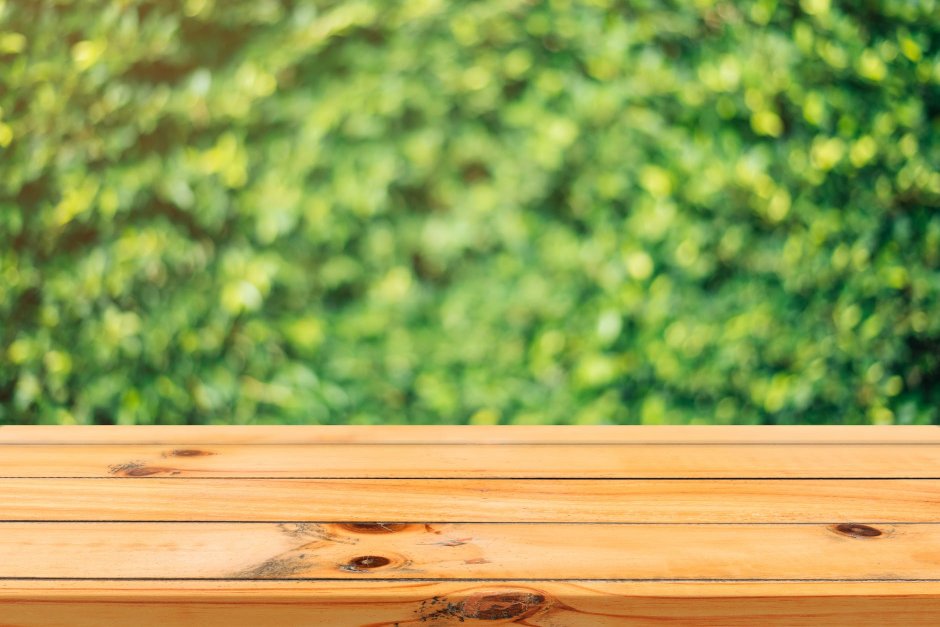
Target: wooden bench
(425, 526)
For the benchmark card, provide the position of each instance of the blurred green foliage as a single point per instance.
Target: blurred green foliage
(495, 211)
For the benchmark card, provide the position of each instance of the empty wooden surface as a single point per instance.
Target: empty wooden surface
(472, 500)
(382, 603)
(454, 461)
(548, 526)
(469, 435)
(588, 551)
(419, 604)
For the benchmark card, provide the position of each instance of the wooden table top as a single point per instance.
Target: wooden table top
(407, 526)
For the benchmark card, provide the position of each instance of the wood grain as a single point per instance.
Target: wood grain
(471, 500)
(848, 551)
(469, 435)
(442, 604)
(424, 526)
(483, 460)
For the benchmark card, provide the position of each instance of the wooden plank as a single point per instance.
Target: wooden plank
(843, 552)
(481, 461)
(442, 604)
(547, 526)
(472, 500)
(464, 434)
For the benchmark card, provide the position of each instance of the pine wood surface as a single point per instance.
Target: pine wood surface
(381, 603)
(453, 461)
(472, 500)
(468, 551)
(467, 434)
(547, 526)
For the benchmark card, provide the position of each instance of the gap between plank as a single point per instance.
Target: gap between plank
(426, 443)
(464, 522)
(473, 580)
(469, 478)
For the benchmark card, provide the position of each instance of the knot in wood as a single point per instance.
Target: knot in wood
(365, 562)
(188, 452)
(373, 527)
(857, 530)
(501, 606)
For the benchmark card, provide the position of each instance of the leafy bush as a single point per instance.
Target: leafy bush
(497, 211)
